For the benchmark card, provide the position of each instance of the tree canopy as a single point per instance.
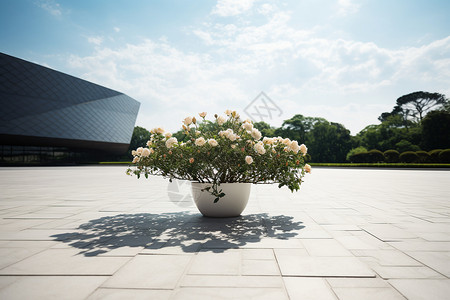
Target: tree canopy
(415, 106)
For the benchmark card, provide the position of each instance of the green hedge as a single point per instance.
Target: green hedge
(393, 156)
(444, 156)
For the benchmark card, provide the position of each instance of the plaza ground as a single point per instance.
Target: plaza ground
(95, 233)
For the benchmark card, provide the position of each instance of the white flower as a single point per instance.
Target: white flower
(307, 168)
(213, 142)
(303, 149)
(158, 130)
(259, 147)
(256, 134)
(268, 141)
(200, 141)
(168, 135)
(134, 152)
(197, 132)
(294, 147)
(228, 112)
(139, 150)
(286, 141)
(248, 159)
(170, 142)
(248, 126)
(136, 159)
(149, 143)
(221, 120)
(232, 137)
(202, 114)
(233, 146)
(187, 121)
(145, 152)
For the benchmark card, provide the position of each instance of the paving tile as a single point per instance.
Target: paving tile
(64, 262)
(388, 232)
(273, 243)
(368, 294)
(150, 271)
(388, 257)
(171, 250)
(423, 289)
(51, 287)
(7, 280)
(325, 247)
(121, 251)
(30, 235)
(354, 242)
(230, 293)
(232, 281)
(414, 245)
(357, 282)
(308, 289)
(434, 236)
(257, 254)
(260, 267)
(322, 266)
(391, 272)
(9, 256)
(438, 261)
(135, 294)
(207, 263)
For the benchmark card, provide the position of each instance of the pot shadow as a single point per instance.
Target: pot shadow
(188, 231)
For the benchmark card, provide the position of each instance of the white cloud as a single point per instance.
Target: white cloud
(96, 40)
(116, 29)
(227, 8)
(347, 7)
(51, 6)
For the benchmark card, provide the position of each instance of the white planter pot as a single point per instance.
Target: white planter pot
(231, 205)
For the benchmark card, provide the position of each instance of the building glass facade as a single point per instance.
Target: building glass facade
(49, 116)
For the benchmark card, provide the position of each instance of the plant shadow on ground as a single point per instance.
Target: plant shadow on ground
(188, 231)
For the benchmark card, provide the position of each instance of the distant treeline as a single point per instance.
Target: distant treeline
(415, 130)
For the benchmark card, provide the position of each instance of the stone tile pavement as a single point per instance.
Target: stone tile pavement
(95, 233)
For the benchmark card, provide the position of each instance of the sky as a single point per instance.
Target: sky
(343, 60)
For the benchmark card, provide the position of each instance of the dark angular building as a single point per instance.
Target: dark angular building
(49, 116)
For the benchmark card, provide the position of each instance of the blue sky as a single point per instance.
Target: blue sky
(344, 60)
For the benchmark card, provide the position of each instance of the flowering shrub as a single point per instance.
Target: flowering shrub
(219, 151)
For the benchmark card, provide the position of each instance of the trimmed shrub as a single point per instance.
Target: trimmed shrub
(391, 156)
(359, 157)
(375, 156)
(409, 157)
(444, 156)
(434, 155)
(424, 157)
(355, 151)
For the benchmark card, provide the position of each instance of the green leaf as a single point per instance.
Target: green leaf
(216, 200)
(221, 195)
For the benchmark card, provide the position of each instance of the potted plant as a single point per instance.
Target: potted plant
(221, 158)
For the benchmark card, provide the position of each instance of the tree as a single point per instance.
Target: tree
(436, 130)
(329, 142)
(297, 127)
(416, 105)
(266, 129)
(139, 138)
